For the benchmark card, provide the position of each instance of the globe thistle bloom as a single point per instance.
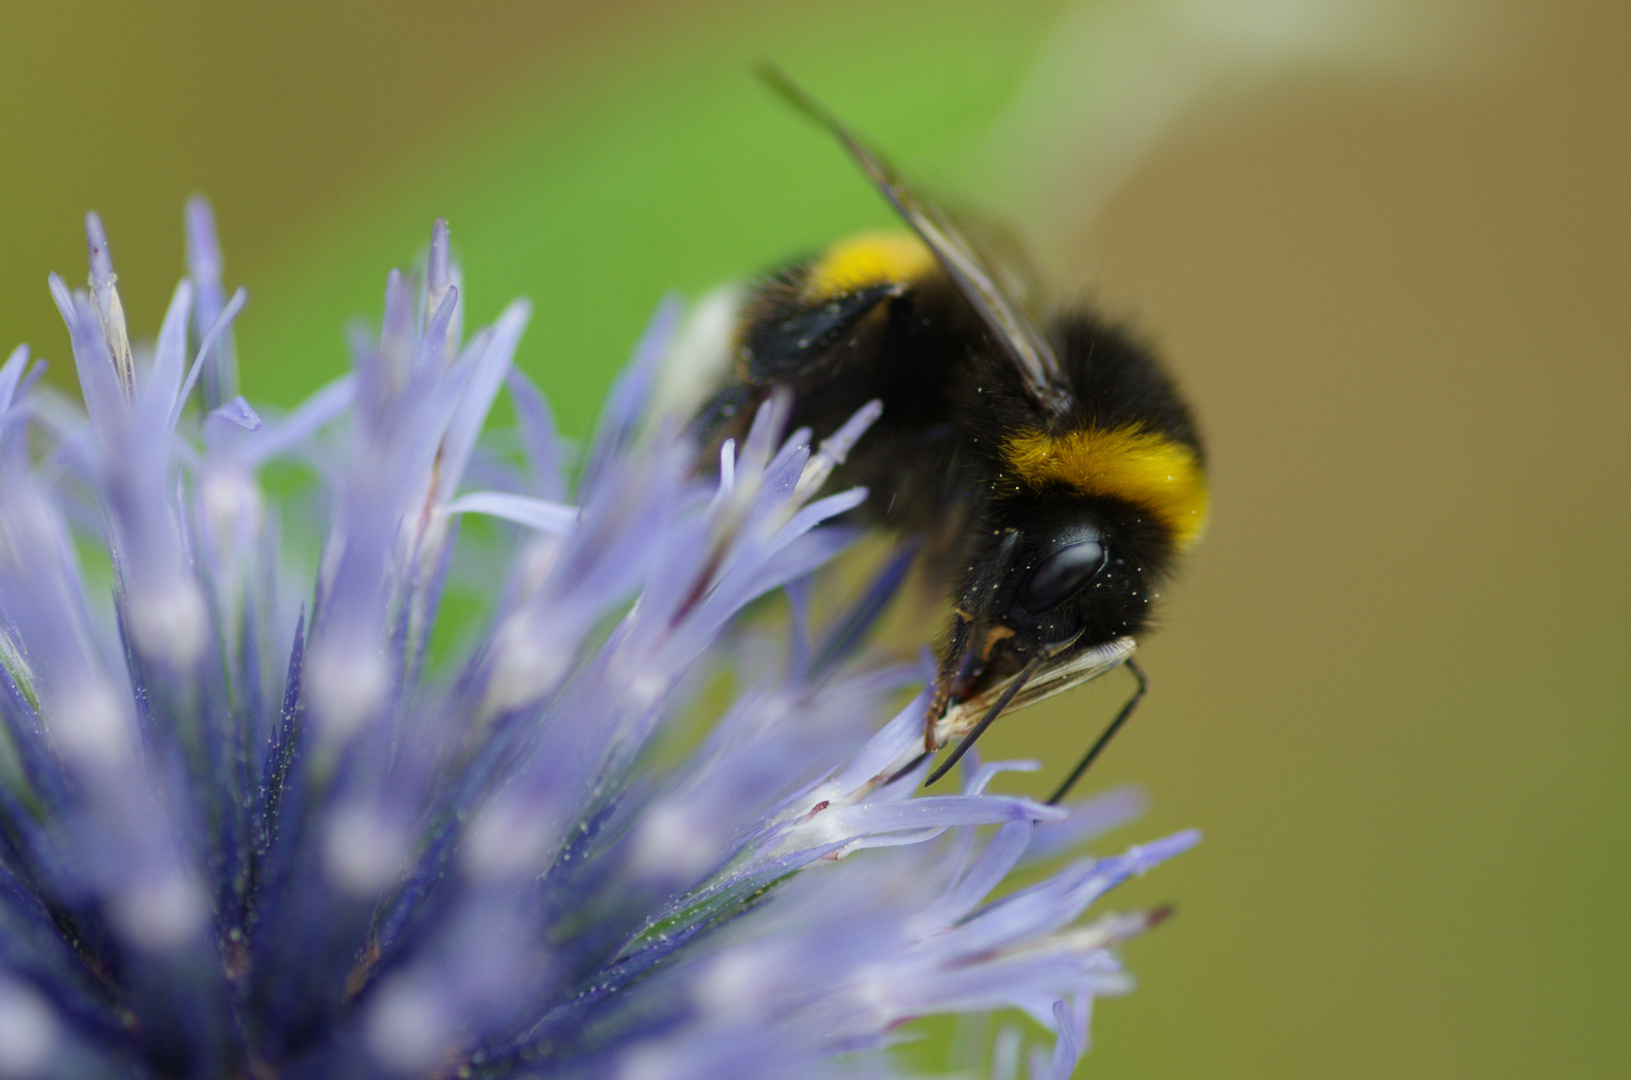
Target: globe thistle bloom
(264, 813)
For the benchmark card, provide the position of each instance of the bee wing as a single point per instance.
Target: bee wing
(1015, 333)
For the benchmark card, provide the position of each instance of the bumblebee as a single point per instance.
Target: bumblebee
(1053, 461)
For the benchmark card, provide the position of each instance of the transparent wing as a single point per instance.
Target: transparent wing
(1013, 330)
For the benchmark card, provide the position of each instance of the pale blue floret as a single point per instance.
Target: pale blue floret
(248, 828)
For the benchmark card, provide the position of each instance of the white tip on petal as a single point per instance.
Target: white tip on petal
(508, 837)
(161, 913)
(739, 981)
(526, 664)
(345, 685)
(28, 1031)
(89, 724)
(536, 559)
(170, 623)
(232, 503)
(669, 844)
(408, 1027)
(699, 357)
(654, 1061)
(361, 850)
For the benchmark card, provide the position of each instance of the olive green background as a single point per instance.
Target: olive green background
(1392, 687)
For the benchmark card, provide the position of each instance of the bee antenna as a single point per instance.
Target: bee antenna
(1104, 740)
(991, 714)
(795, 95)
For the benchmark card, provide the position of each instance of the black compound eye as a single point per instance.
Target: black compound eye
(1060, 575)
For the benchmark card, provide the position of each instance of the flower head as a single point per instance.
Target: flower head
(249, 829)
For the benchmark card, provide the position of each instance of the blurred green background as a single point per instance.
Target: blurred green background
(1388, 248)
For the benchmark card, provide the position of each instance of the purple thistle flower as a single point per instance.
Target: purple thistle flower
(247, 829)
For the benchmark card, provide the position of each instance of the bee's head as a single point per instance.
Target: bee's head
(1051, 574)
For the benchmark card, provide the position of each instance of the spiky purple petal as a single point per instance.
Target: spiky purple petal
(247, 829)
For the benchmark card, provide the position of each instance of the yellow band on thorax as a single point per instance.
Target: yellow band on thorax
(867, 259)
(1137, 466)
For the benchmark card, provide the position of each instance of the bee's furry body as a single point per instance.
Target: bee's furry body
(1052, 464)
(935, 465)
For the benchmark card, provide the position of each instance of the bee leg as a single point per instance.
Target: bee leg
(908, 767)
(957, 671)
(787, 347)
(991, 714)
(1109, 732)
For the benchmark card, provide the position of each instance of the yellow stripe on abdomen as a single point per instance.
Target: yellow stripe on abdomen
(865, 260)
(1141, 467)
